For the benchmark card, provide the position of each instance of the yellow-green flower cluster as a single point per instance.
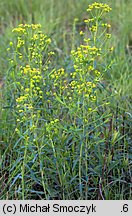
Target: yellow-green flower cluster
(30, 64)
(95, 22)
(52, 126)
(33, 79)
(19, 30)
(106, 25)
(84, 70)
(60, 83)
(108, 35)
(88, 57)
(31, 43)
(30, 93)
(20, 42)
(58, 74)
(89, 20)
(99, 6)
(93, 28)
(22, 28)
(82, 88)
(83, 54)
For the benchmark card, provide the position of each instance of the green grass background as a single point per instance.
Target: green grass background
(57, 18)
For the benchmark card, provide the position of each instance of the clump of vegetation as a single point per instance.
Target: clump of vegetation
(65, 140)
